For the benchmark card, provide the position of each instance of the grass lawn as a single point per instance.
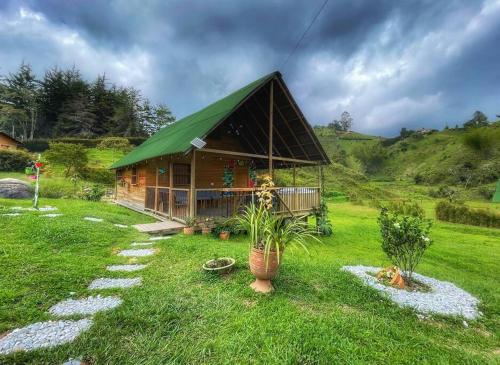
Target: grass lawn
(180, 315)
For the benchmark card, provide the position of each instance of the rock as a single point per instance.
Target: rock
(137, 253)
(15, 189)
(84, 306)
(108, 283)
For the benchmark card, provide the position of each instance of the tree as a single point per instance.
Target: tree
(372, 156)
(479, 119)
(73, 157)
(76, 118)
(20, 99)
(346, 121)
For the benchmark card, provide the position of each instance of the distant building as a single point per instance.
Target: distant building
(7, 142)
(424, 130)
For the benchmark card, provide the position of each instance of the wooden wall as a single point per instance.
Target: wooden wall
(7, 143)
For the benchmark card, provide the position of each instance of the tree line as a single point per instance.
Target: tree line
(63, 104)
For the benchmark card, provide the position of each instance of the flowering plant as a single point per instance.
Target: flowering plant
(265, 195)
(404, 240)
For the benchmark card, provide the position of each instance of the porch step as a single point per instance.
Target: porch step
(166, 226)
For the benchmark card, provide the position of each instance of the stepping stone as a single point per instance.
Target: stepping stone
(120, 225)
(137, 253)
(85, 306)
(47, 208)
(125, 267)
(72, 362)
(51, 215)
(22, 208)
(106, 283)
(158, 238)
(12, 214)
(92, 219)
(43, 334)
(142, 243)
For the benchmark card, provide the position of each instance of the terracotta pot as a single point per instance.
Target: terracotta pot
(263, 274)
(188, 231)
(398, 281)
(224, 235)
(206, 230)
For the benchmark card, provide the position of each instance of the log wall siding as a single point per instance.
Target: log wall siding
(7, 143)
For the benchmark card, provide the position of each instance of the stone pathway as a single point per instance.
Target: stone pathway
(93, 219)
(127, 268)
(85, 306)
(137, 253)
(12, 214)
(142, 243)
(51, 215)
(43, 334)
(107, 283)
(159, 238)
(53, 333)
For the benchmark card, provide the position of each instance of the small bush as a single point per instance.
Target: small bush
(98, 175)
(14, 160)
(57, 189)
(115, 143)
(323, 225)
(226, 225)
(446, 192)
(72, 156)
(461, 213)
(404, 207)
(92, 193)
(404, 240)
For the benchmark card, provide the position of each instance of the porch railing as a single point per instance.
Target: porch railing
(226, 202)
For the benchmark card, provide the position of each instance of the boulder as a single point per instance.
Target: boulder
(15, 189)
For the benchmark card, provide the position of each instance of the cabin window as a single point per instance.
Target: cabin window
(133, 177)
(163, 176)
(182, 174)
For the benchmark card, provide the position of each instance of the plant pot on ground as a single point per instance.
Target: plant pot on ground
(223, 228)
(269, 236)
(206, 226)
(221, 265)
(190, 224)
(224, 235)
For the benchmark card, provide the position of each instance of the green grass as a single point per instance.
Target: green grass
(317, 315)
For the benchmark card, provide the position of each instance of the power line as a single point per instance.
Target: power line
(303, 35)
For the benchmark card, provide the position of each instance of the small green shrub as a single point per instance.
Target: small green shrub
(14, 160)
(404, 240)
(447, 192)
(224, 225)
(93, 193)
(404, 207)
(115, 143)
(57, 189)
(73, 157)
(323, 225)
(461, 213)
(98, 175)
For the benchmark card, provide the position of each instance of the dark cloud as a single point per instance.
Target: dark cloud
(390, 63)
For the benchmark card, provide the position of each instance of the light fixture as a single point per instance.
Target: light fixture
(198, 143)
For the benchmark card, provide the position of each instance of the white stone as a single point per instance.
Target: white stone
(107, 283)
(51, 215)
(47, 208)
(142, 243)
(134, 267)
(158, 238)
(85, 306)
(120, 225)
(43, 334)
(92, 219)
(137, 253)
(12, 214)
(72, 362)
(444, 297)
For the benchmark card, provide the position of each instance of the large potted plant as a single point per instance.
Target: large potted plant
(269, 236)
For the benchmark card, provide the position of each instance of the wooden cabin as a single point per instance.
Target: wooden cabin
(206, 164)
(7, 142)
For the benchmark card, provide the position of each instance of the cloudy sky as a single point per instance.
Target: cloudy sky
(389, 63)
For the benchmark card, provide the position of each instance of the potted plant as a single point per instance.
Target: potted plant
(269, 236)
(219, 265)
(206, 226)
(223, 229)
(190, 224)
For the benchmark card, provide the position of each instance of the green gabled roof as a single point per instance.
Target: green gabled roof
(177, 137)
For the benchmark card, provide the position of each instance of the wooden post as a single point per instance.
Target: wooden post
(156, 190)
(271, 103)
(171, 185)
(192, 190)
(295, 190)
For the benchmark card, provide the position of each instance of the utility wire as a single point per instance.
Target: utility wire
(303, 35)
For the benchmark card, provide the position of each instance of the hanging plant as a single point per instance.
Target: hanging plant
(228, 178)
